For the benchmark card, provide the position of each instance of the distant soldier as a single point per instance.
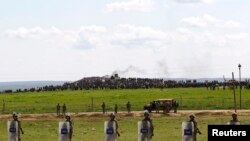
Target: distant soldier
(196, 129)
(20, 129)
(58, 109)
(157, 106)
(64, 109)
(234, 120)
(175, 105)
(68, 119)
(128, 105)
(166, 107)
(3, 109)
(116, 109)
(103, 107)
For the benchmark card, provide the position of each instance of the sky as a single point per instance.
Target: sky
(66, 40)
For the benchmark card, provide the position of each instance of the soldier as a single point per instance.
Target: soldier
(147, 118)
(116, 108)
(103, 108)
(68, 119)
(111, 127)
(234, 120)
(175, 105)
(58, 109)
(196, 129)
(166, 107)
(3, 109)
(20, 129)
(128, 105)
(157, 106)
(64, 109)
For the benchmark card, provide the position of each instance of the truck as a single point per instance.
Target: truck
(166, 105)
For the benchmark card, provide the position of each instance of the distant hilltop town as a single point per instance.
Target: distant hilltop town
(116, 82)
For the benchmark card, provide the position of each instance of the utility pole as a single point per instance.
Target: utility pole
(235, 108)
(92, 104)
(240, 82)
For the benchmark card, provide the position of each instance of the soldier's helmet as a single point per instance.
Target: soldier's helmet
(234, 114)
(14, 114)
(146, 113)
(112, 114)
(67, 115)
(192, 115)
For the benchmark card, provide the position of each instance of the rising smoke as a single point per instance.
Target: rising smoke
(129, 70)
(163, 68)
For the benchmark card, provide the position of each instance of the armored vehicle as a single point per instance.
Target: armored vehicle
(166, 105)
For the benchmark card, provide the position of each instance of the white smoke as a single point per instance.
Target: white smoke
(163, 68)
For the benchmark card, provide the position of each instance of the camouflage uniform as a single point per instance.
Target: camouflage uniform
(116, 108)
(20, 129)
(147, 118)
(58, 109)
(196, 129)
(103, 108)
(128, 105)
(68, 119)
(234, 120)
(112, 119)
(64, 109)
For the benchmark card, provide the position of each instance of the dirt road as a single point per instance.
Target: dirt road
(125, 114)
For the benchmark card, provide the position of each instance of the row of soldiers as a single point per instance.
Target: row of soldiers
(128, 107)
(233, 121)
(112, 126)
(15, 129)
(64, 108)
(58, 109)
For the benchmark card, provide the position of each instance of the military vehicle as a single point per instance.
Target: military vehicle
(166, 105)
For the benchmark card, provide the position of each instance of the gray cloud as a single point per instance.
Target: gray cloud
(83, 43)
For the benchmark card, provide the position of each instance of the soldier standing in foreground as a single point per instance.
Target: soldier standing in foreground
(20, 129)
(68, 119)
(111, 128)
(196, 129)
(234, 120)
(147, 118)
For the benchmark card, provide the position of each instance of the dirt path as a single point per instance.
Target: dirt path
(53, 116)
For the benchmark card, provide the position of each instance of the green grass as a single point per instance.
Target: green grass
(81, 101)
(90, 129)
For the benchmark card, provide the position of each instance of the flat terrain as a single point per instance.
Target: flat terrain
(88, 126)
(91, 100)
(122, 114)
(40, 122)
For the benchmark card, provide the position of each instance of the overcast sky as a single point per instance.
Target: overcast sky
(72, 39)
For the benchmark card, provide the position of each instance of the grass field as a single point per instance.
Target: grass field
(167, 128)
(81, 101)
(90, 128)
